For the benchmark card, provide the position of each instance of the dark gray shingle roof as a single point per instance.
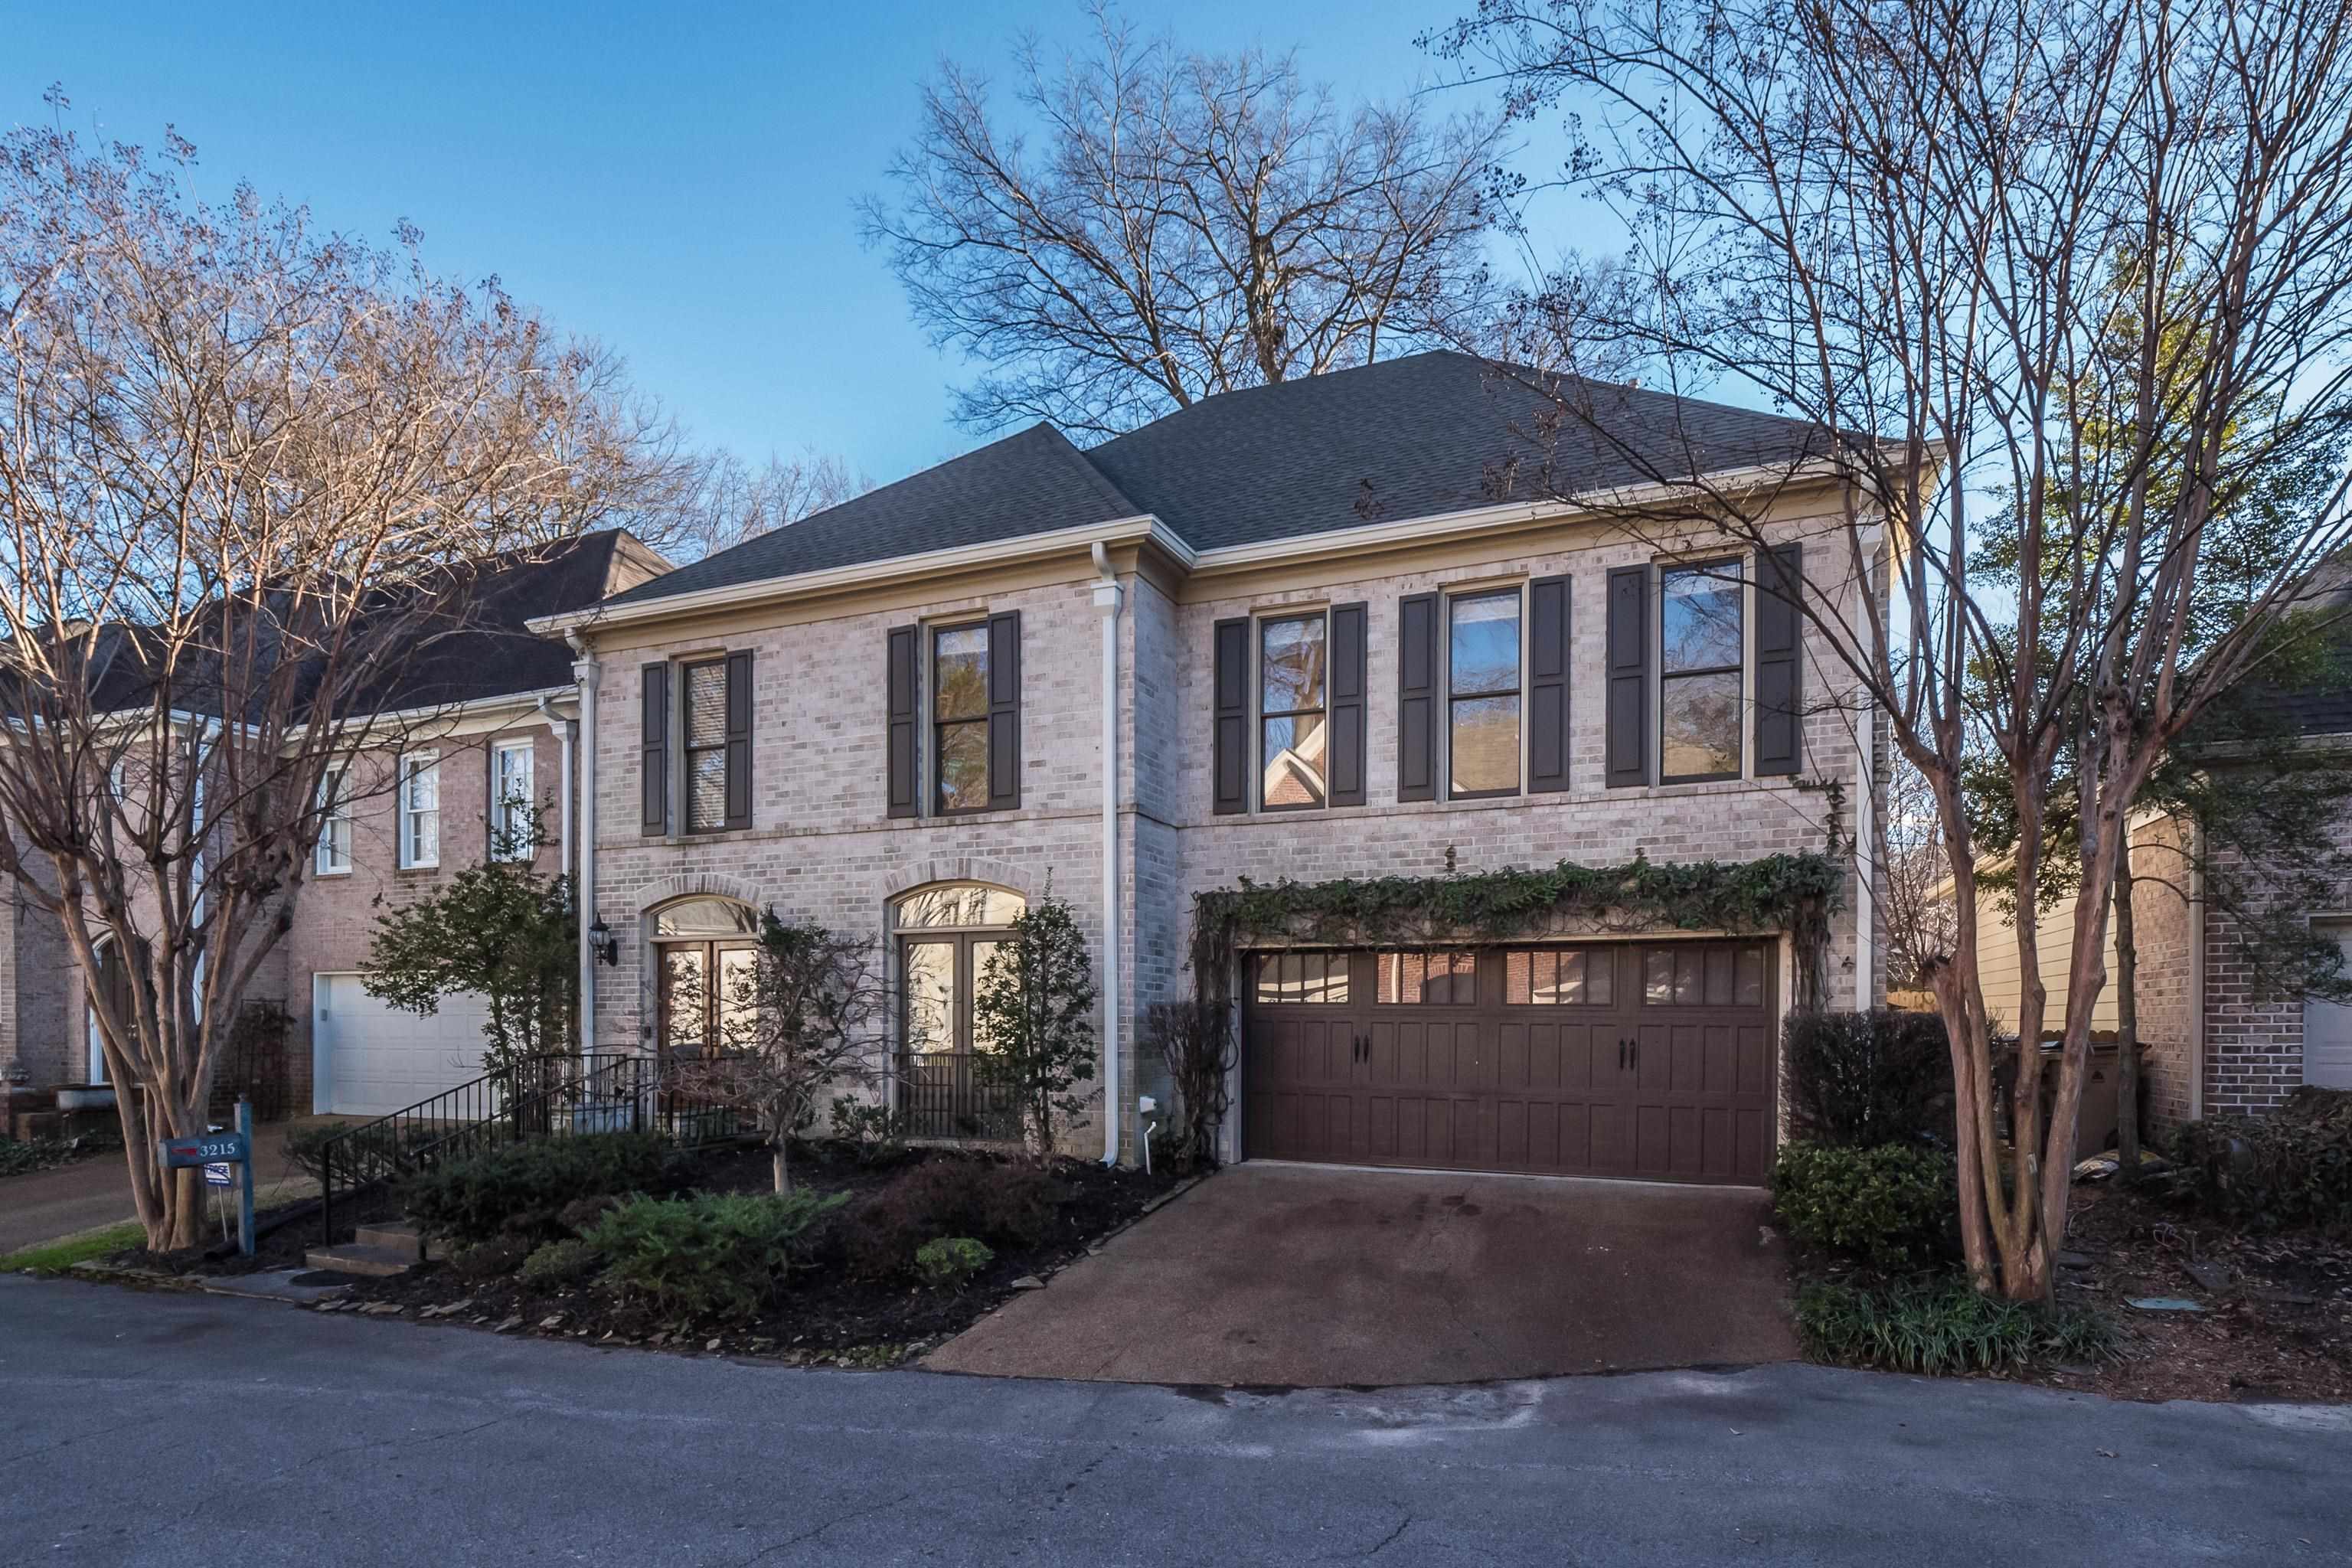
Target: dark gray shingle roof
(1033, 482)
(1417, 436)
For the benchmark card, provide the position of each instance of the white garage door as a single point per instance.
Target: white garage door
(2327, 1026)
(372, 1059)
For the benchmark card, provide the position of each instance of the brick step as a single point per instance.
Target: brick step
(379, 1262)
(402, 1235)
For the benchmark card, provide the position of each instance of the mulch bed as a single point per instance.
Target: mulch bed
(2277, 1323)
(826, 1317)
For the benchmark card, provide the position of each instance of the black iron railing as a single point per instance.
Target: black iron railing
(546, 1097)
(939, 1096)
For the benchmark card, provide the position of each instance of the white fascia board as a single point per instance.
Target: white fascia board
(871, 573)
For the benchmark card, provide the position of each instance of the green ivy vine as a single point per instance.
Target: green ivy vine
(1792, 892)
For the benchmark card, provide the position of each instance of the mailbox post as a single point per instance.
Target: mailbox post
(222, 1149)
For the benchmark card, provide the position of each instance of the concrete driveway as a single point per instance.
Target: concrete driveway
(1300, 1276)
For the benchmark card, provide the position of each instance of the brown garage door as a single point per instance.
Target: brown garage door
(1640, 1059)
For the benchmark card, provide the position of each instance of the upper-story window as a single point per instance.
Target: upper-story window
(1294, 732)
(705, 745)
(514, 800)
(419, 803)
(952, 732)
(959, 717)
(695, 749)
(1702, 649)
(332, 857)
(1483, 693)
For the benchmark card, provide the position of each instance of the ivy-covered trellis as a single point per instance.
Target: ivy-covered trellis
(1792, 892)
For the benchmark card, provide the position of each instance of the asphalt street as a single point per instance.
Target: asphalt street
(167, 1428)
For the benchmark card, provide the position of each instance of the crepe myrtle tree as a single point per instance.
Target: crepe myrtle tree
(1032, 1032)
(802, 1021)
(1956, 244)
(248, 472)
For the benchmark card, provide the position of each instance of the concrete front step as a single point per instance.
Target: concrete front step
(401, 1237)
(381, 1262)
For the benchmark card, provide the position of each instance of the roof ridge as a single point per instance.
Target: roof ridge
(1105, 486)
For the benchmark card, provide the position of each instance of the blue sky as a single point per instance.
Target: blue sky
(677, 181)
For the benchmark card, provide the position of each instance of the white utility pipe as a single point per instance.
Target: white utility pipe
(585, 672)
(1106, 601)
(1865, 824)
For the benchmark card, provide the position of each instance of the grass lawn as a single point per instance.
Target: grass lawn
(56, 1256)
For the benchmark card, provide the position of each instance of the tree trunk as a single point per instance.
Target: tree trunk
(781, 1154)
(2126, 1026)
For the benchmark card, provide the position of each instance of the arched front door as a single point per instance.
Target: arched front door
(704, 951)
(946, 933)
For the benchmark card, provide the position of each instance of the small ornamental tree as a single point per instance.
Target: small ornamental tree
(1033, 1020)
(804, 1020)
(500, 931)
(1193, 1038)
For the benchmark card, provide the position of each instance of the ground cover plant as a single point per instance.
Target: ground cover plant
(523, 1189)
(22, 1157)
(873, 1258)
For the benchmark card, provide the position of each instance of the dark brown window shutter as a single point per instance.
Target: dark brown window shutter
(1779, 667)
(905, 723)
(1417, 697)
(738, 739)
(1628, 677)
(1346, 675)
(1548, 656)
(653, 751)
(1005, 711)
(1230, 745)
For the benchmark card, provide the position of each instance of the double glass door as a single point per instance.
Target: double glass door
(706, 997)
(940, 1096)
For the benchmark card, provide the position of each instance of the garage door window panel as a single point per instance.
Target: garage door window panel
(1559, 977)
(1415, 978)
(1301, 978)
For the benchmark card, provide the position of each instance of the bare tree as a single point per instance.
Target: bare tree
(731, 501)
(2010, 260)
(1188, 225)
(247, 472)
(804, 1019)
(1920, 924)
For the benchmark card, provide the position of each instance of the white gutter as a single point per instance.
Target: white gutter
(585, 671)
(1866, 816)
(1106, 598)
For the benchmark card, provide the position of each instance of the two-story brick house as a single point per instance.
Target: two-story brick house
(1336, 628)
(479, 727)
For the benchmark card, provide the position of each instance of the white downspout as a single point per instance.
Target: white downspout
(564, 731)
(2196, 973)
(1107, 602)
(585, 672)
(1865, 822)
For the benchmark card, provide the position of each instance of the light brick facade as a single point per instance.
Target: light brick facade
(821, 846)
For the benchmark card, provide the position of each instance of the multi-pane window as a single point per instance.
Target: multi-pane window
(1559, 977)
(1703, 974)
(420, 809)
(960, 717)
(1483, 691)
(1699, 672)
(1294, 732)
(514, 833)
(1431, 978)
(705, 734)
(333, 856)
(1309, 979)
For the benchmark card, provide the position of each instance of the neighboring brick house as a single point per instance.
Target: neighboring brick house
(486, 713)
(2215, 1038)
(1337, 639)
